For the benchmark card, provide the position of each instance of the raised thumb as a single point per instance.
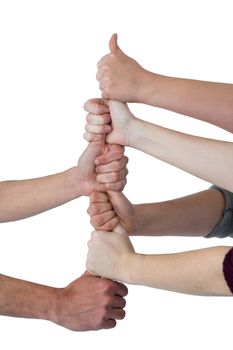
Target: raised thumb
(113, 45)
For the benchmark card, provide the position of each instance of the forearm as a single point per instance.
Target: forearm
(194, 215)
(24, 198)
(208, 101)
(211, 160)
(197, 272)
(25, 299)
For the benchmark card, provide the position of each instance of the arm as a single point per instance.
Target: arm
(21, 199)
(197, 272)
(88, 303)
(123, 79)
(194, 215)
(211, 160)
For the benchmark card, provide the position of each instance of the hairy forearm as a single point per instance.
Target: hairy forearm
(194, 215)
(208, 101)
(26, 299)
(211, 160)
(24, 198)
(196, 272)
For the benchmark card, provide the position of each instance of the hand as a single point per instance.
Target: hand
(109, 210)
(111, 176)
(110, 254)
(90, 303)
(121, 130)
(120, 77)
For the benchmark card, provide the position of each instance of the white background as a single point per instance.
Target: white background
(48, 55)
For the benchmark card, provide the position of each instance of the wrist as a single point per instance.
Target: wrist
(154, 89)
(134, 136)
(57, 312)
(49, 311)
(134, 228)
(134, 271)
(73, 183)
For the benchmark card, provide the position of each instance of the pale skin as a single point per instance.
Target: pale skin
(112, 255)
(88, 303)
(121, 78)
(173, 147)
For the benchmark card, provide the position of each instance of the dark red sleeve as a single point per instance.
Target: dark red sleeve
(228, 269)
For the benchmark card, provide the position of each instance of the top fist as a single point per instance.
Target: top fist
(120, 77)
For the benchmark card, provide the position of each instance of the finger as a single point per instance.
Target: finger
(98, 197)
(96, 106)
(112, 177)
(100, 73)
(120, 289)
(101, 219)
(101, 84)
(89, 137)
(113, 46)
(117, 148)
(118, 302)
(109, 225)
(103, 61)
(97, 129)
(98, 208)
(99, 119)
(89, 243)
(108, 324)
(116, 165)
(117, 314)
(116, 186)
(110, 156)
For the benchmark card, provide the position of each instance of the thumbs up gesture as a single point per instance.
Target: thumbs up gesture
(120, 77)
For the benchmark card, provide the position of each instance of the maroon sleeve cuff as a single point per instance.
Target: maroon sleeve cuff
(228, 269)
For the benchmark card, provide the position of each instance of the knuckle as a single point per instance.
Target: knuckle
(122, 314)
(120, 186)
(107, 90)
(123, 302)
(116, 176)
(107, 301)
(107, 286)
(87, 128)
(109, 226)
(113, 324)
(99, 220)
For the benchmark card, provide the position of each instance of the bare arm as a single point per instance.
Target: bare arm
(24, 198)
(122, 78)
(211, 160)
(194, 215)
(208, 101)
(197, 272)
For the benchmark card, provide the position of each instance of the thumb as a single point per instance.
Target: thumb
(120, 229)
(113, 45)
(121, 205)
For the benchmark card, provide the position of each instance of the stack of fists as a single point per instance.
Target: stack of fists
(111, 253)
